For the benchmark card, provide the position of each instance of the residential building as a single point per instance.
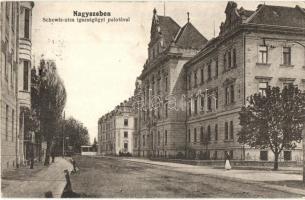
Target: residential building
(163, 115)
(254, 49)
(8, 90)
(116, 130)
(26, 137)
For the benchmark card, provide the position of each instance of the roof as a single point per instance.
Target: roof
(279, 16)
(168, 28)
(189, 37)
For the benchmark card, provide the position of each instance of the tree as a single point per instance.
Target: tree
(271, 120)
(50, 101)
(77, 134)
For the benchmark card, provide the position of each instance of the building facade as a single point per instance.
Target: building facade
(116, 130)
(16, 45)
(190, 92)
(8, 102)
(24, 80)
(163, 113)
(253, 50)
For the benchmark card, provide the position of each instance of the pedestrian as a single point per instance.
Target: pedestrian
(53, 156)
(227, 163)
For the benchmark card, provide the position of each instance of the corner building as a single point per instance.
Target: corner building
(116, 130)
(163, 111)
(254, 49)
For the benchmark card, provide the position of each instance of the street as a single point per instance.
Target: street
(108, 178)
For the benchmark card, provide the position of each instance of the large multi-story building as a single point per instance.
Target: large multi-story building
(163, 86)
(190, 92)
(253, 50)
(24, 79)
(116, 130)
(15, 49)
(9, 62)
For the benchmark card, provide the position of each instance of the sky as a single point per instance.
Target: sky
(99, 62)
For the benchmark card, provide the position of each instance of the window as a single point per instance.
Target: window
(216, 68)
(5, 64)
(189, 135)
(209, 72)
(125, 134)
(234, 58)
(166, 84)
(135, 142)
(231, 130)
(209, 103)
(288, 84)
(216, 99)
(195, 135)
(190, 108)
(13, 120)
(7, 10)
(126, 146)
(136, 123)
(13, 18)
(165, 137)
(166, 110)
(189, 81)
(287, 155)
(226, 131)
(224, 62)
(195, 79)
(202, 102)
(125, 122)
(159, 138)
(143, 140)
(229, 60)
(263, 54)
(158, 86)
(26, 75)
(158, 111)
(263, 155)
(195, 106)
(26, 23)
(262, 87)
(209, 133)
(286, 55)
(201, 134)
(232, 93)
(6, 122)
(201, 75)
(227, 93)
(12, 71)
(216, 132)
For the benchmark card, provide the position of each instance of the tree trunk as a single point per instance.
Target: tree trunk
(276, 163)
(47, 158)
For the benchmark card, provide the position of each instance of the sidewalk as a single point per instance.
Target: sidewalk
(35, 184)
(264, 178)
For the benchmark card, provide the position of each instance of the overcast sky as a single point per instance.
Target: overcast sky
(99, 62)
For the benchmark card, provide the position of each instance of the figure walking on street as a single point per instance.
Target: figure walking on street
(227, 164)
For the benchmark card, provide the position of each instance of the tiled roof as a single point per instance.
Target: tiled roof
(189, 37)
(279, 16)
(168, 28)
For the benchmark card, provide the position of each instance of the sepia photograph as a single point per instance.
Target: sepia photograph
(152, 99)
